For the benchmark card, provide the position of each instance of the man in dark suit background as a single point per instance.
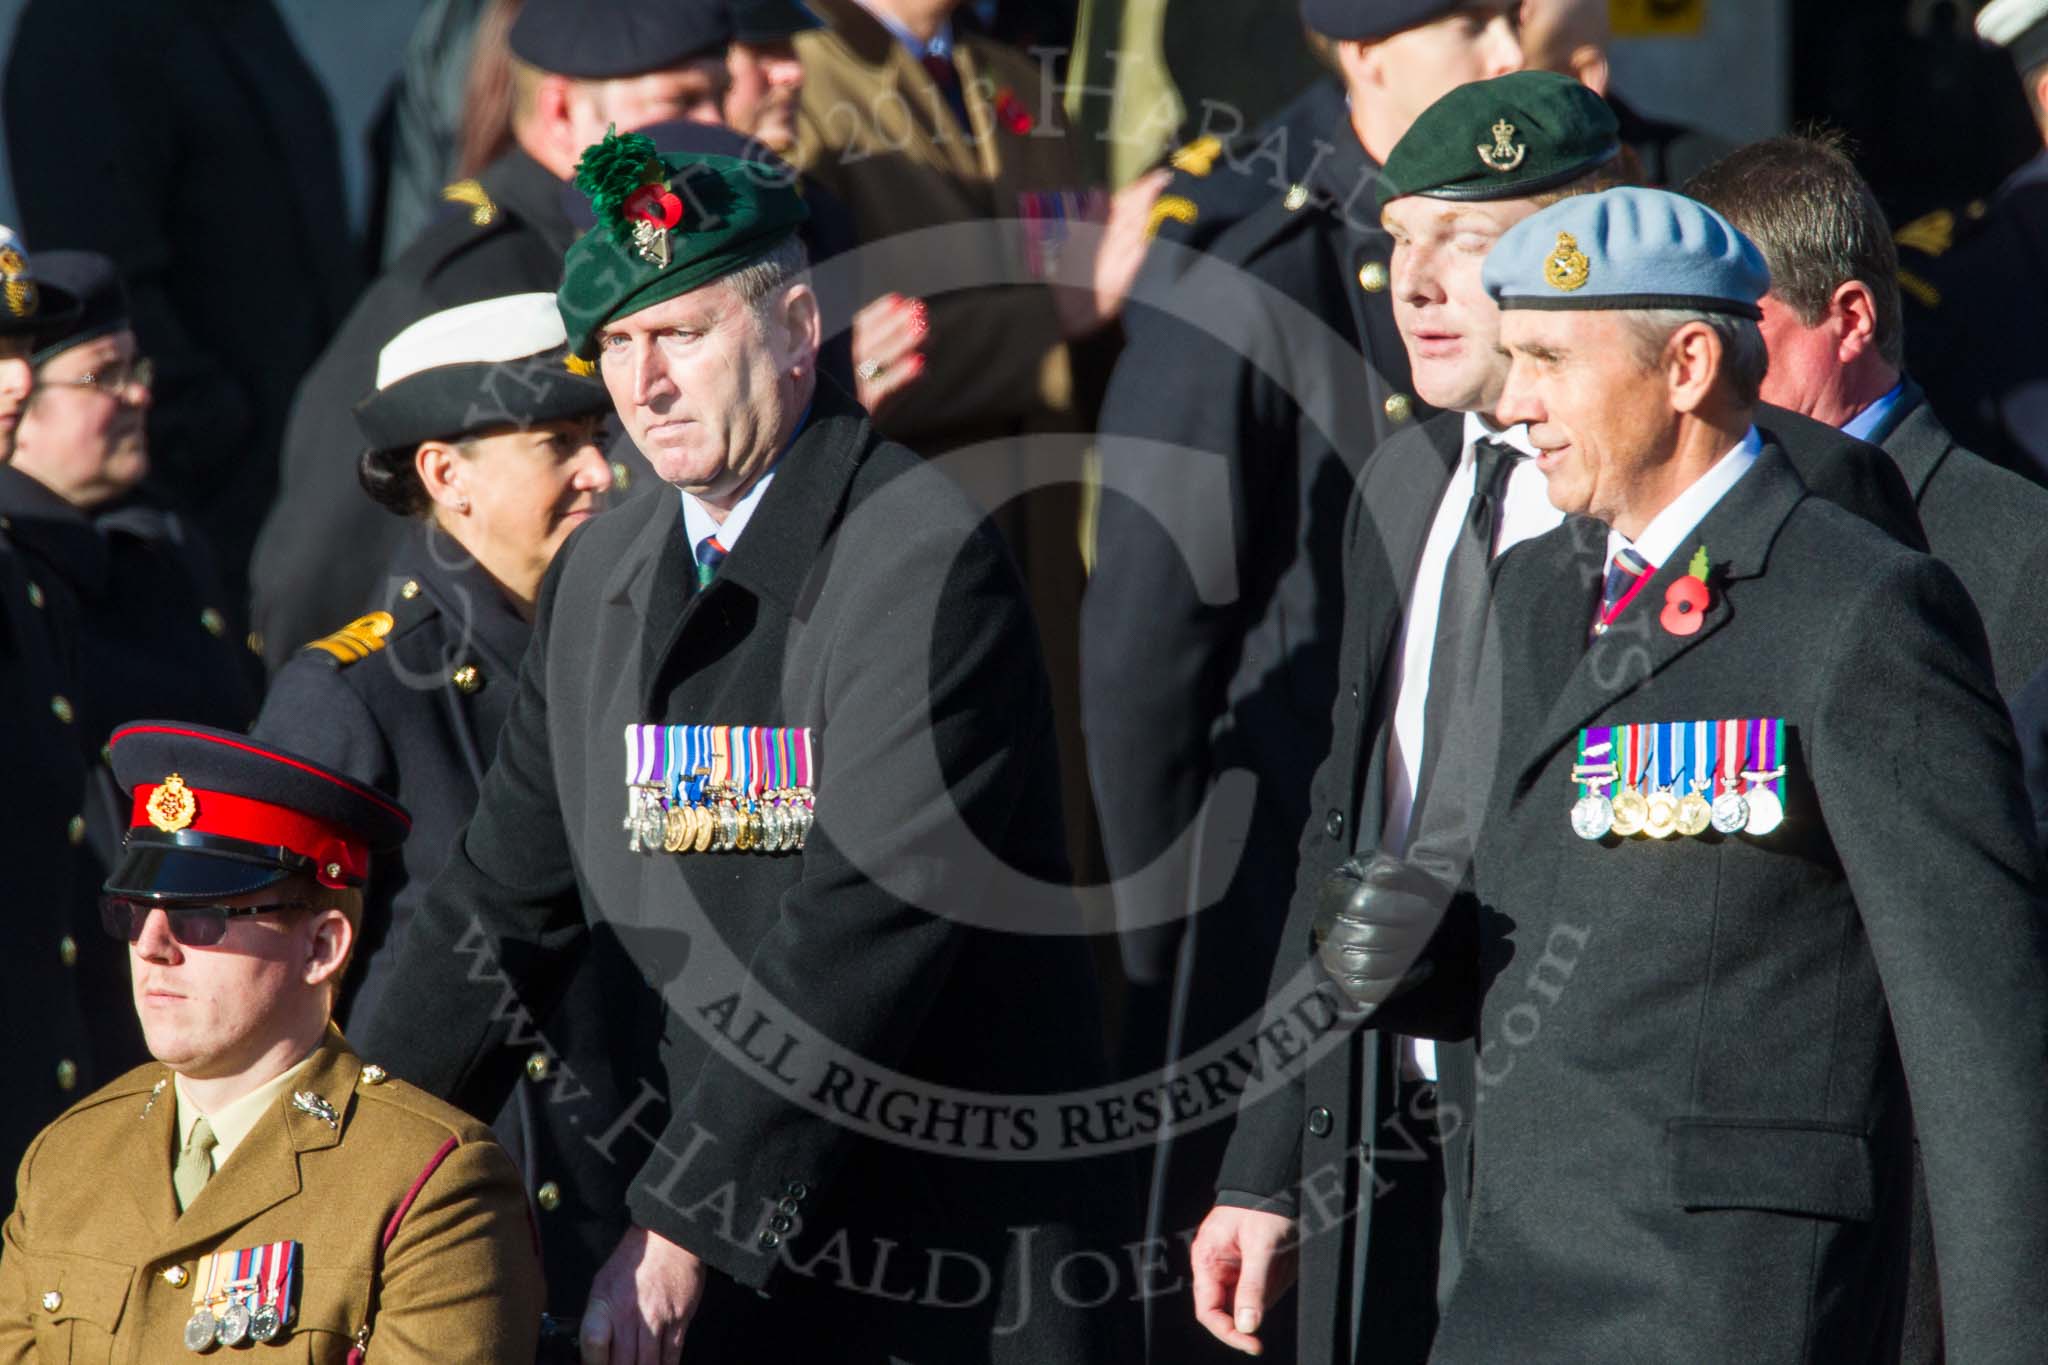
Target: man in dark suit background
(841, 599)
(1694, 1050)
(1835, 330)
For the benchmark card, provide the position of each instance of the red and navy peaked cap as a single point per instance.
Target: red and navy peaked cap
(218, 814)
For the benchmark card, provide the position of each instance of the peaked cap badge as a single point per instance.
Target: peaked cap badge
(172, 806)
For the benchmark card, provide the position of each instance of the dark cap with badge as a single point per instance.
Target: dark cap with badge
(667, 225)
(771, 21)
(217, 814)
(1365, 21)
(1505, 138)
(1627, 249)
(493, 363)
(95, 283)
(607, 39)
(28, 303)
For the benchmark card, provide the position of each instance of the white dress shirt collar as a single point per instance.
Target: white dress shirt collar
(1668, 531)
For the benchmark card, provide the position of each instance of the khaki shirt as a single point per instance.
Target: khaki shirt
(98, 1265)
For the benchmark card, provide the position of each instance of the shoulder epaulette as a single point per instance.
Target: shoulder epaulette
(482, 210)
(1198, 158)
(357, 640)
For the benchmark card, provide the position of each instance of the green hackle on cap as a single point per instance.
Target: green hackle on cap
(614, 170)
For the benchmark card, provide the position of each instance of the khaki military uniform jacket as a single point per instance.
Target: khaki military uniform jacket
(98, 1263)
(876, 130)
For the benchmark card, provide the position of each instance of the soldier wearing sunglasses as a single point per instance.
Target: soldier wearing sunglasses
(258, 1183)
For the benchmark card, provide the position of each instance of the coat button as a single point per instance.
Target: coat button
(1333, 824)
(410, 590)
(1372, 277)
(67, 1074)
(787, 1205)
(375, 1075)
(1319, 1122)
(213, 623)
(67, 951)
(780, 1223)
(796, 1189)
(35, 595)
(622, 477)
(52, 1301)
(466, 679)
(538, 1066)
(770, 1240)
(74, 830)
(1296, 200)
(60, 707)
(107, 754)
(174, 1276)
(254, 641)
(548, 1196)
(1400, 407)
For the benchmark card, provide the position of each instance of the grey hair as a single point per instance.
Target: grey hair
(761, 284)
(1744, 359)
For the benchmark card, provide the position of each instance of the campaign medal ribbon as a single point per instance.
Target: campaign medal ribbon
(1695, 812)
(199, 1328)
(1593, 813)
(1766, 792)
(644, 746)
(1660, 816)
(279, 1273)
(1631, 809)
(1731, 808)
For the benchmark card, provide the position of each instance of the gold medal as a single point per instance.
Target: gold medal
(1695, 815)
(700, 829)
(1631, 813)
(675, 827)
(1660, 815)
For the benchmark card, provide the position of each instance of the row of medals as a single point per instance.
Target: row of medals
(777, 821)
(1663, 812)
(236, 1325)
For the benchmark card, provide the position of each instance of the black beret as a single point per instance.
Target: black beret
(218, 814)
(495, 362)
(602, 39)
(92, 280)
(1363, 21)
(769, 21)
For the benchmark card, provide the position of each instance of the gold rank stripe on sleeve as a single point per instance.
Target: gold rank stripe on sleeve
(357, 640)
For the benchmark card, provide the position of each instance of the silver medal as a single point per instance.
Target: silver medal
(199, 1330)
(1592, 817)
(1766, 812)
(1731, 813)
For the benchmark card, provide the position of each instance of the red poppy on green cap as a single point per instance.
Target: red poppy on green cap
(666, 225)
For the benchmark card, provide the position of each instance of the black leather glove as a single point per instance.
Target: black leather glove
(1373, 920)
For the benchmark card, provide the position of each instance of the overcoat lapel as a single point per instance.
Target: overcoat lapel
(1737, 536)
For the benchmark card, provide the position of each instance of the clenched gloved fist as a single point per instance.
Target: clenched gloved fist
(1373, 920)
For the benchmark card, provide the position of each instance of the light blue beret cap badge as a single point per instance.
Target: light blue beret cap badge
(1627, 249)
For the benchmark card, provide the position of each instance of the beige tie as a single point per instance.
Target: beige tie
(195, 1164)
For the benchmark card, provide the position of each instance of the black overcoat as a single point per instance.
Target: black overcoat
(869, 601)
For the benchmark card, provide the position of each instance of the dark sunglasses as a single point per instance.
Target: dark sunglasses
(194, 926)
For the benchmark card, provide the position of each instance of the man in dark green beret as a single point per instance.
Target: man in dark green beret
(839, 817)
(1436, 502)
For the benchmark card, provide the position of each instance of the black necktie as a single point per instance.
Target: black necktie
(1461, 611)
(946, 76)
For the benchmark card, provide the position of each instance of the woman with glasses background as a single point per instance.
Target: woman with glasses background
(125, 586)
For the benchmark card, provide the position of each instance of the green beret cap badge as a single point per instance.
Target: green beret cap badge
(667, 225)
(1504, 155)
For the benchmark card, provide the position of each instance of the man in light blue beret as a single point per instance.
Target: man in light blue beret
(1747, 745)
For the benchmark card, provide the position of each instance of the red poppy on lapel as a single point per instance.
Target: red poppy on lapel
(1012, 112)
(1686, 600)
